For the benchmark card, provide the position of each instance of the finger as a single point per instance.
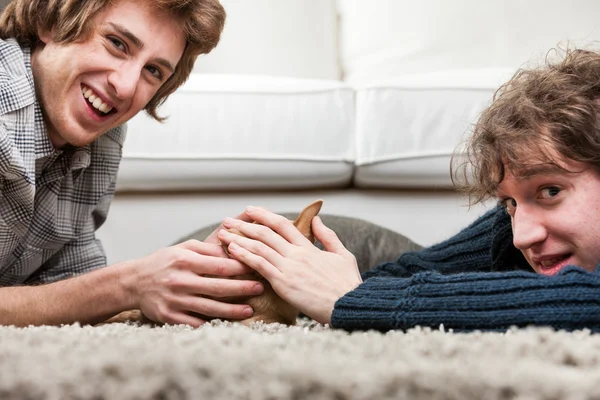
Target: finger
(213, 286)
(266, 269)
(278, 223)
(257, 232)
(201, 264)
(328, 238)
(220, 288)
(278, 240)
(180, 318)
(212, 238)
(268, 244)
(216, 309)
(209, 249)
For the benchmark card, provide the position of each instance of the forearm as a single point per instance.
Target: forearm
(483, 301)
(87, 299)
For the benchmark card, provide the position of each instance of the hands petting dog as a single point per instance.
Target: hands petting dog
(309, 279)
(222, 275)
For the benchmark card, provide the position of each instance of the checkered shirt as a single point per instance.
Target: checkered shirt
(51, 201)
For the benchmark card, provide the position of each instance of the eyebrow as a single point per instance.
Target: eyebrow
(139, 44)
(533, 171)
(541, 169)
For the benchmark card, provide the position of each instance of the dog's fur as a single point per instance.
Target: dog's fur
(268, 307)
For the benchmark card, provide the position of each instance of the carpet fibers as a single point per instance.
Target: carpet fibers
(222, 360)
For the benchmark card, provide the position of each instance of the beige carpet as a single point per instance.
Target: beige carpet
(309, 361)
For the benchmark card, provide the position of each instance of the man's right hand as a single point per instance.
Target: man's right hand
(171, 283)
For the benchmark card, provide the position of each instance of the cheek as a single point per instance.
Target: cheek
(572, 219)
(582, 230)
(589, 238)
(143, 95)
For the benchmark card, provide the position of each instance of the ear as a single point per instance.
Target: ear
(45, 35)
(304, 221)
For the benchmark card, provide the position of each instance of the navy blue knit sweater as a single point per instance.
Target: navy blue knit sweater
(476, 280)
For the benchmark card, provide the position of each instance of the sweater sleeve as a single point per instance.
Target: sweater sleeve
(474, 280)
(492, 301)
(483, 246)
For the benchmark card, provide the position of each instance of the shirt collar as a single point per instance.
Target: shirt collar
(43, 145)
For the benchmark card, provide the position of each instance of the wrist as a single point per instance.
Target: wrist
(351, 288)
(126, 285)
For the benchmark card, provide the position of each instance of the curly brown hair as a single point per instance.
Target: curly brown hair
(202, 22)
(538, 113)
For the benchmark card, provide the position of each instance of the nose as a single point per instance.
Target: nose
(528, 228)
(124, 80)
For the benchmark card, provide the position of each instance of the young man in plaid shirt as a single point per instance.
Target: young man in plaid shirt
(72, 73)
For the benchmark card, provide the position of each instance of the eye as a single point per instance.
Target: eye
(118, 44)
(549, 192)
(509, 204)
(156, 72)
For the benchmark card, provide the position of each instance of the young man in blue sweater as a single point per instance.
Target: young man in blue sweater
(530, 261)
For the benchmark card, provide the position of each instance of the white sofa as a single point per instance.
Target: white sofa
(360, 103)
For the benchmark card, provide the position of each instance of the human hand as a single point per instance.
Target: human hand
(213, 238)
(309, 279)
(172, 286)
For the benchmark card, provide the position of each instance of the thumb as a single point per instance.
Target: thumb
(328, 237)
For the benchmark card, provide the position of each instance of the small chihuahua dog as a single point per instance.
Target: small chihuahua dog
(268, 307)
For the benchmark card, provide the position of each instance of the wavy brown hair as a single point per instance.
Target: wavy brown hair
(202, 22)
(539, 112)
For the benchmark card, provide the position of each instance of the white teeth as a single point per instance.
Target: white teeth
(94, 100)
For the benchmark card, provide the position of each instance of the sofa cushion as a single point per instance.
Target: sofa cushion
(425, 70)
(279, 38)
(243, 132)
(408, 128)
(382, 39)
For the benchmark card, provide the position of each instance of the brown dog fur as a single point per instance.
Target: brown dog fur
(268, 307)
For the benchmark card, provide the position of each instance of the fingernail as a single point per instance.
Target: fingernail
(258, 288)
(227, 222)
(222, 233)
(248, 312)
(233, 246)
(251, 209)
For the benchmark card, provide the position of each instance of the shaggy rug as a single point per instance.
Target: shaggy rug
(222, 360)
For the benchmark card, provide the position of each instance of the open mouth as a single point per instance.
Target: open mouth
(554, 265)
(101, 108)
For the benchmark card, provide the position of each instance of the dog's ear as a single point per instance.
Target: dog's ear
(304, 221)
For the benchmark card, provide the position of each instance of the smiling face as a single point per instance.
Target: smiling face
(87, 88)
(555, 215)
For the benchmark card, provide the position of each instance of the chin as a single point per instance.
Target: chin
(81, 141)
(75, 137)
